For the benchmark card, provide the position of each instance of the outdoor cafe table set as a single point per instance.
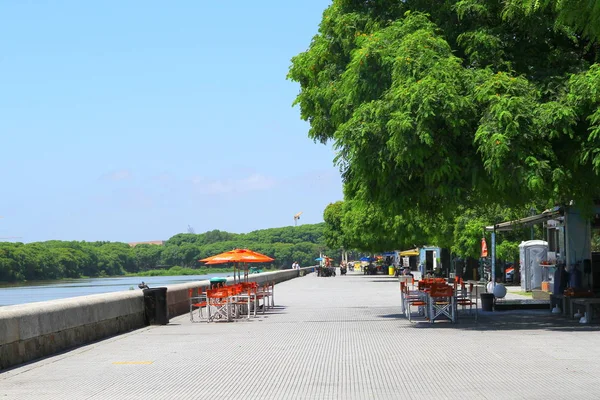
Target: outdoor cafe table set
(435, 299)
(231, 301)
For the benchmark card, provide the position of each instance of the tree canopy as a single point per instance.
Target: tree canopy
(433, 106)
(364, 226)
(582, 15)
(355, 225)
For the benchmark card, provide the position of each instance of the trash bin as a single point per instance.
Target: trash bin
(217, 282)
(155, 306)
(487, 301)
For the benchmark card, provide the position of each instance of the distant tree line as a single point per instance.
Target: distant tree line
(71, 259)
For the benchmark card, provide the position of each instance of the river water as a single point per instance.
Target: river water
(51, 290)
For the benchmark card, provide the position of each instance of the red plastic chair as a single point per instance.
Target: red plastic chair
(219, 300)
(442, 303)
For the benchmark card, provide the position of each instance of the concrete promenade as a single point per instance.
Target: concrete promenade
(328, 338)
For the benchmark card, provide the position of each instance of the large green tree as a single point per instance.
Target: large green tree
(469, 229)
(436, 105)
(582, 15)
(360, 225)
(333, 232)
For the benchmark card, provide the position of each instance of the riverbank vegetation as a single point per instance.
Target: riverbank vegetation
(179, 255)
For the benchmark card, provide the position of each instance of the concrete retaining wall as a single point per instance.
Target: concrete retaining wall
(35, 330)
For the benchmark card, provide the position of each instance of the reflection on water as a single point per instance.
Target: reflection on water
(50, 290)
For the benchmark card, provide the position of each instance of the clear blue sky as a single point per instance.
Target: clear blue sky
(129, 120)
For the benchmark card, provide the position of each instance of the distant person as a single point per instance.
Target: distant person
(295, 265)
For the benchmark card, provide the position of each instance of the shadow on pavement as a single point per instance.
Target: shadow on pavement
(392, 316)
(505, 321)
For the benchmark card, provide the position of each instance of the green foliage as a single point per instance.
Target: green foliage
(581, 15)
(469, 230)
(508, 251)
(434, 107)
(57, 259)
(365, 227)
(369, 229)
(334, 235)
(595, 241)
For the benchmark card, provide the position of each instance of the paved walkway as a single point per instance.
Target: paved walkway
(330, 338)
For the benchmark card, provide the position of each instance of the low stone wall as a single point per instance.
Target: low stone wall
(35, 330)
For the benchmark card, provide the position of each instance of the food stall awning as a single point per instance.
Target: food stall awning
(527, 221)
(408, 253)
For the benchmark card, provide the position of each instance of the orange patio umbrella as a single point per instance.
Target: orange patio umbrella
(238, 256)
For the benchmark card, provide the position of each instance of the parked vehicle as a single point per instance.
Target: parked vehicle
(509, 275)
